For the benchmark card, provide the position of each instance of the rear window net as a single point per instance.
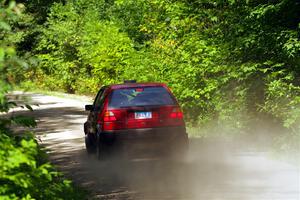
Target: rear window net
(140, 96)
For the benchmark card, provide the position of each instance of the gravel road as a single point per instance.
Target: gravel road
(213, 170)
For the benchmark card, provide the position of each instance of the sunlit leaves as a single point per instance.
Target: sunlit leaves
(222, 59)
(24, 173)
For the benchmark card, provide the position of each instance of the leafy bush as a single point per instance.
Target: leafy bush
(229, 62)
(24, 175)
(24, 170)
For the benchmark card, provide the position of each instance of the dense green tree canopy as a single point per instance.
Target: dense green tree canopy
(228, 61)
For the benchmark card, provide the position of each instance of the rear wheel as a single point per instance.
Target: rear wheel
(90, 143)
(102, 150)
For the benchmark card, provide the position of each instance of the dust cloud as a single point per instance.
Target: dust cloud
(213, 169)
(239, 168)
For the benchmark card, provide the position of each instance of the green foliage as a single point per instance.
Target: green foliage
(24, 170)
(230, 62)
(77, 48)
(24, 175)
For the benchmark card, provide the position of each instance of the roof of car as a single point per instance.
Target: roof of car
(130, 85)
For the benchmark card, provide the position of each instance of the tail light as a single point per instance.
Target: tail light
(175, 117)
(112, 120)
(109, 116)
(176, 113)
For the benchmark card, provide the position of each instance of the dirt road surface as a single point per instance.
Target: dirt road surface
(213, 170)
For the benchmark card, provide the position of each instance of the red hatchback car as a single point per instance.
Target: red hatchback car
(133, 116)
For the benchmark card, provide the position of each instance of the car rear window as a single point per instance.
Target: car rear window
(140, 96)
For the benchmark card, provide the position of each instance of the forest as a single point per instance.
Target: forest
(231, 64)
(226, 61)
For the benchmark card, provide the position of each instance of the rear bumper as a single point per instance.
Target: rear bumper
(162, 134)
(146, 142)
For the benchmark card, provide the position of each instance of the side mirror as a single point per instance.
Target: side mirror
(89, 107)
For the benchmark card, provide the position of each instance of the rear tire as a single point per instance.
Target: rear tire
(102, 150)
(90, 144)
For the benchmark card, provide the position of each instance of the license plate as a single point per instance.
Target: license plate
(143, 115)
